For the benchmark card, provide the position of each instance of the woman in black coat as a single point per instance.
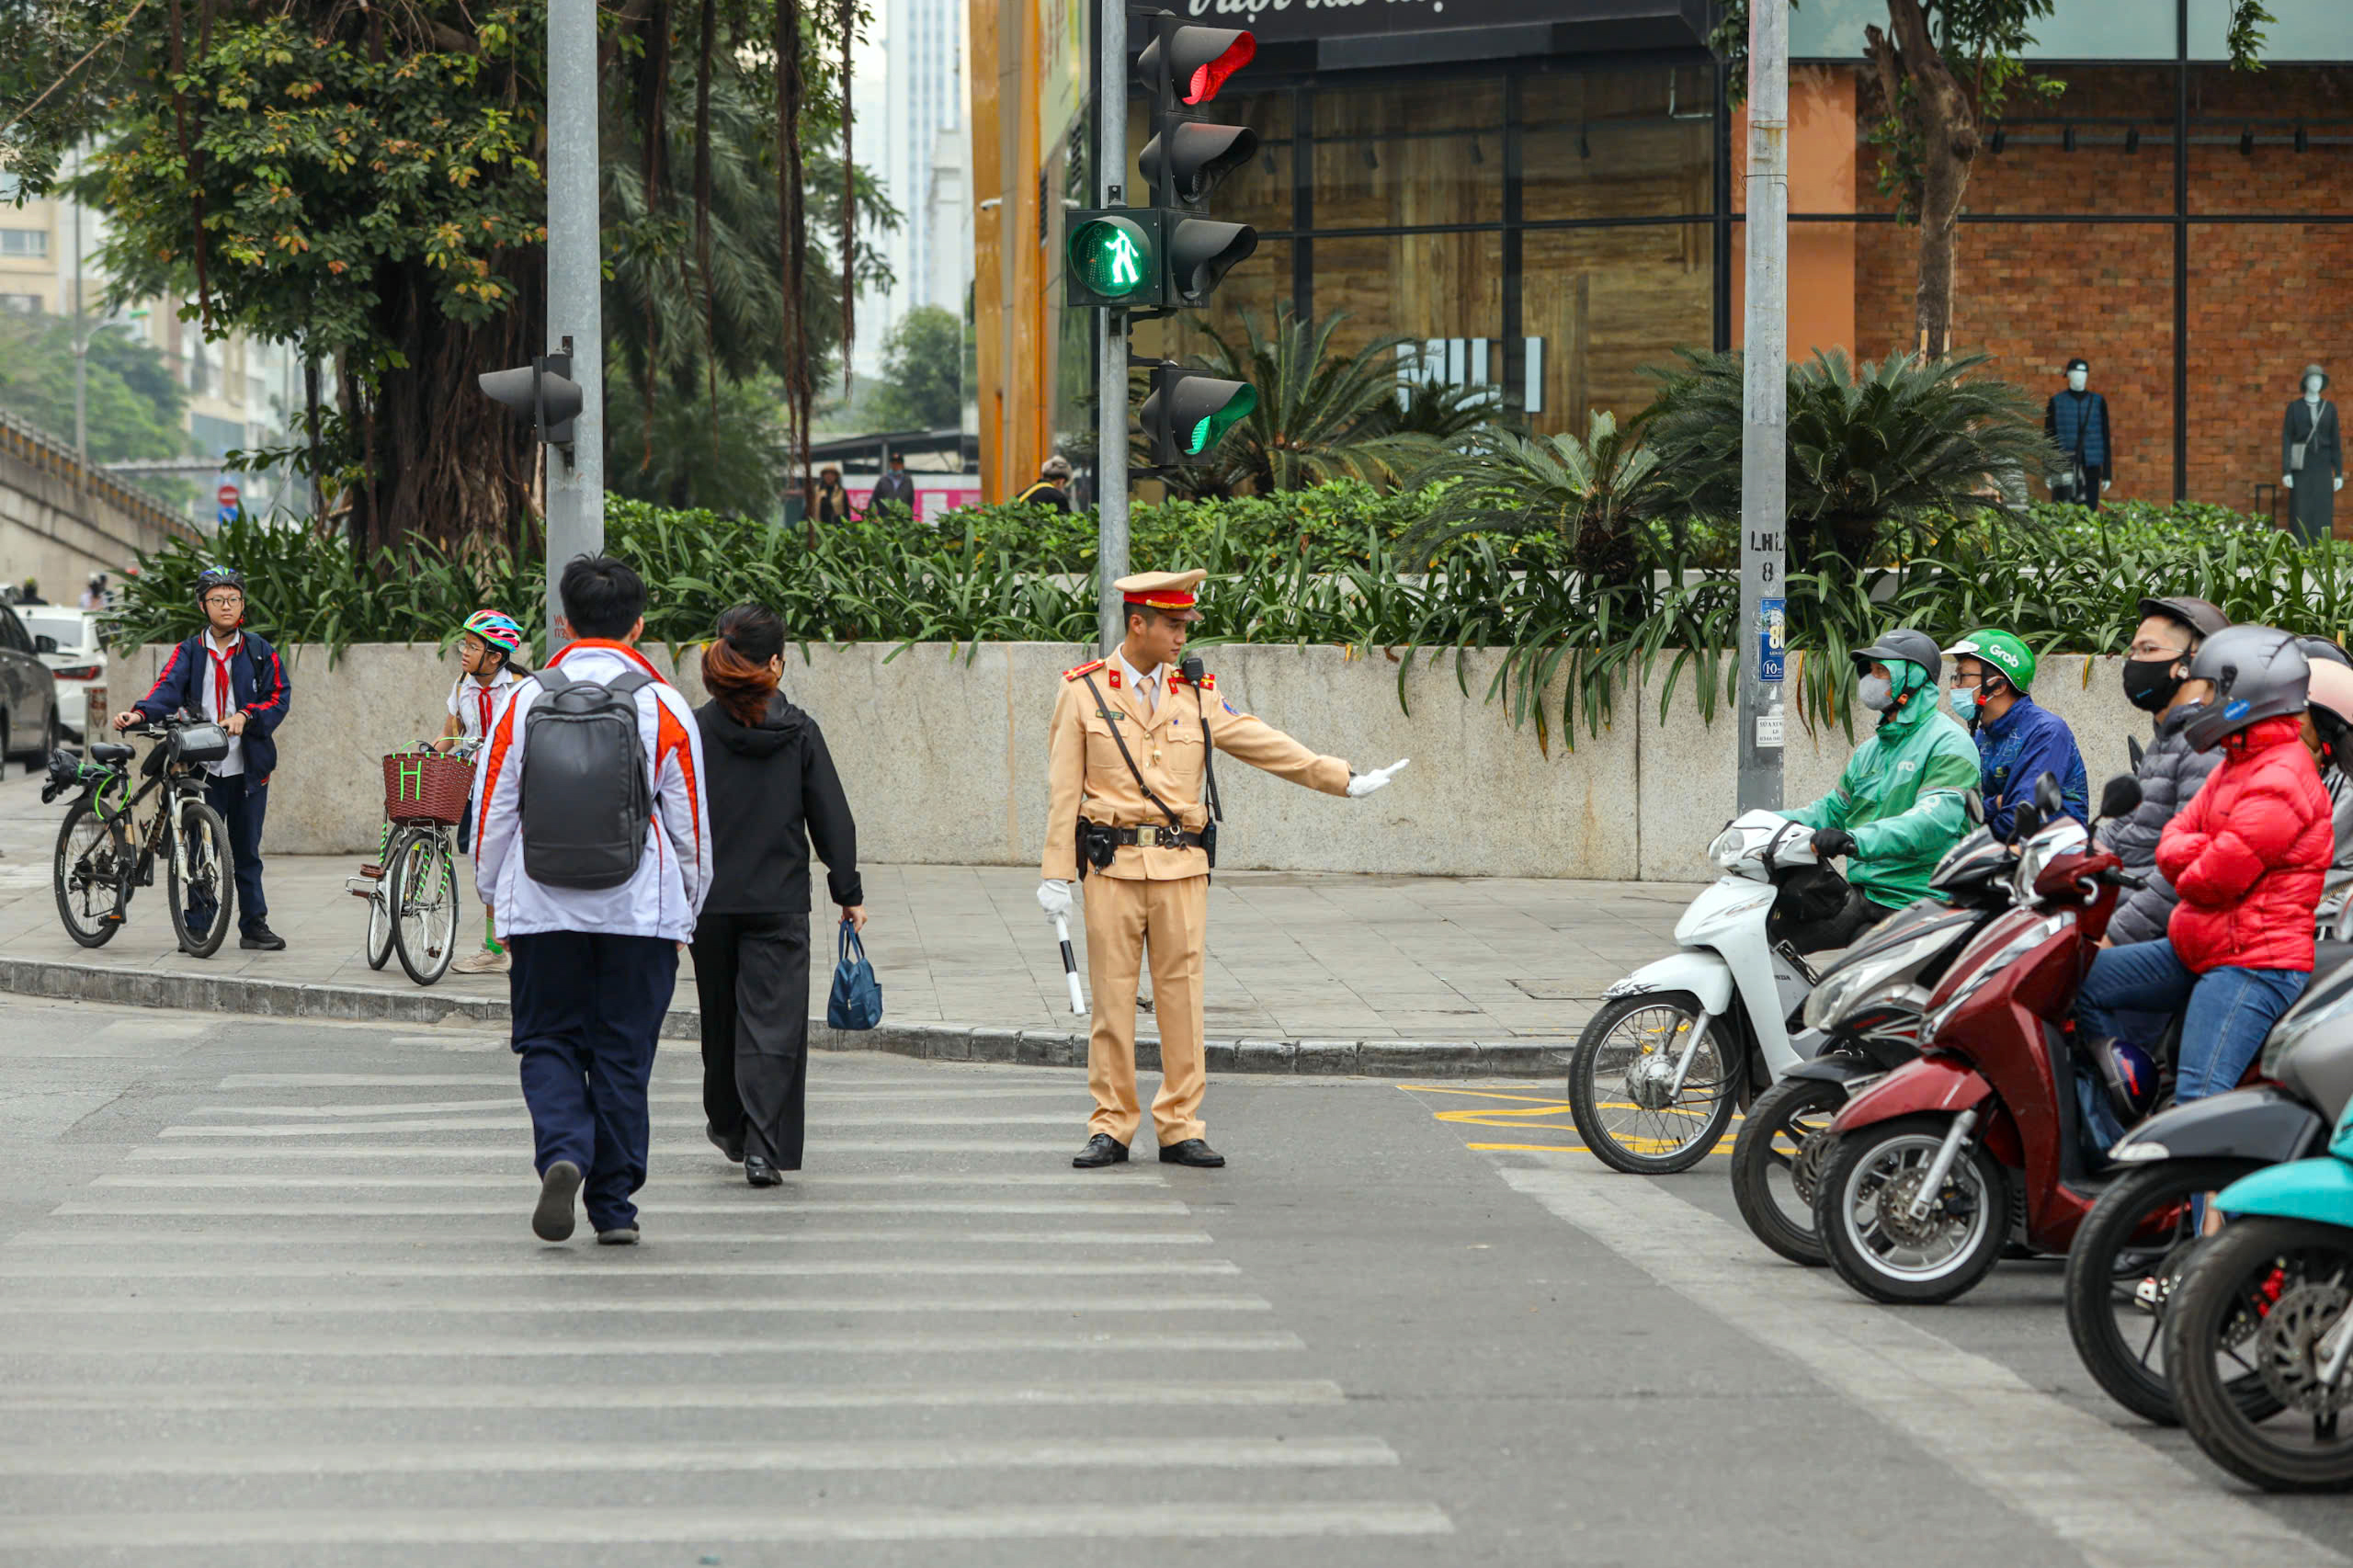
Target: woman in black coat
(772, 789)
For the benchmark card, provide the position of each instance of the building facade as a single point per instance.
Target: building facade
(1545, 198)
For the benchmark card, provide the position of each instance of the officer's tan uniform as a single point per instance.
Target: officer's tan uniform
(1150, 896)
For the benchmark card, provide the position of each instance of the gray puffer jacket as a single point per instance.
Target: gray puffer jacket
(2171, 771)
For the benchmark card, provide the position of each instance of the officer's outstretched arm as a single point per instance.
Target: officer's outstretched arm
(1247, 738)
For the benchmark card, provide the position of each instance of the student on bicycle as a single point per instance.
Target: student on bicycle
(233, 678)
(487, 653)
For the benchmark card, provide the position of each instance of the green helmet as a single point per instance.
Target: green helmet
(2006, 651)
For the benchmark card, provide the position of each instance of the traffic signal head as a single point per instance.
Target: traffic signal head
(1199, 253)
(1194, 63)
(1188, 413)
(1114, 259)
(1196, 156)
(542, 392)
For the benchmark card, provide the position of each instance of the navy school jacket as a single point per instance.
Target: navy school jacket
(257, 681)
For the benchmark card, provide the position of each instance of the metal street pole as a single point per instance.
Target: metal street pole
(1765, 416)
(1112, 369)
(81, 345)
(576, 489)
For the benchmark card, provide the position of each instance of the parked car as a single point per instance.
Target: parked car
(78, 664)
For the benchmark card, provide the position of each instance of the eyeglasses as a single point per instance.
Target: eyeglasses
(224, 596)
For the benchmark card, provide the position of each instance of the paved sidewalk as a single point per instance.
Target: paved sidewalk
(1292, 957)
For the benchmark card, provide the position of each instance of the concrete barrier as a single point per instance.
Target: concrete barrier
(943, 751)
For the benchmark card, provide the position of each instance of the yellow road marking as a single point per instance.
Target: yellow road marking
(1530, 1111)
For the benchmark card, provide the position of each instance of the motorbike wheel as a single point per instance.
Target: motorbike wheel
(1621, 1071)
(1777, 1165)
(2257, 1297)
(2119, 1336)
(1861, 1209)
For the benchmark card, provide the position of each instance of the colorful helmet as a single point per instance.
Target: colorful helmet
(2006, 651)
(213, 577)
(499, 631)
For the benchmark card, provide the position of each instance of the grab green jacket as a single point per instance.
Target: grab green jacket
(1900, 797)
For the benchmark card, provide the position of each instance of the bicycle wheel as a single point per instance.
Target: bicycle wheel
(200, 887)
(380, 925)
(425, 906)
(87, 877)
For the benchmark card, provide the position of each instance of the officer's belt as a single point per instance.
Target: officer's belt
(1150, 835)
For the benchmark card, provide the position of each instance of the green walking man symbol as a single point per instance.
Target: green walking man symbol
(1127, 261)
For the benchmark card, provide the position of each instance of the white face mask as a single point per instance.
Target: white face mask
(2078, 379)
(1876, 693)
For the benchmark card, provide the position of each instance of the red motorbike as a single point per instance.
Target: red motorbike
(1933, 1169)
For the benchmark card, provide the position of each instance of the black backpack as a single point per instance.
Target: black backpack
(585, 800)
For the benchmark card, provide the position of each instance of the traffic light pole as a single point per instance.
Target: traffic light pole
(1765, 417)
(1111, 364)
(575, 485)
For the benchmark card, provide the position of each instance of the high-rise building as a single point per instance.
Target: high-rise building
(926, 97)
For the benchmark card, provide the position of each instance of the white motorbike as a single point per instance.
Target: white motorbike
(1680, 1044)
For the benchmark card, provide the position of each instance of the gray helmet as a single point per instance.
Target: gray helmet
(2259, 673)
(1907, 644)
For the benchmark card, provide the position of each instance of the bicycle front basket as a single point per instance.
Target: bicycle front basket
(199, 742)
(427, 789)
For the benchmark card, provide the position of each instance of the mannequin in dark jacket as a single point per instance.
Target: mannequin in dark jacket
(773, 790)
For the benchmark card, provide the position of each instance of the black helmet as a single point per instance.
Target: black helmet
(2201, 616)
(213, 577)
(1905, 644)
(2259, 673)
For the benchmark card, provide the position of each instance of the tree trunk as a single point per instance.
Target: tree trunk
(1937, 114)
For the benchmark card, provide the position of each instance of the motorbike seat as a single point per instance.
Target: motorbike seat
(110, 751)
(2328, 956)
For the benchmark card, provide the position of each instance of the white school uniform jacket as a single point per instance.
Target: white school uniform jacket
(663, 897)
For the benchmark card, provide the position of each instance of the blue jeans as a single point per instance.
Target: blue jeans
(2225, 1012)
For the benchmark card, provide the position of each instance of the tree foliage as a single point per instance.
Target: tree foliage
(133, 408)
(1590, 495)
(1322, 414)
(922, 363)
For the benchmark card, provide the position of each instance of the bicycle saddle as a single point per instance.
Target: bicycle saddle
(107, 750)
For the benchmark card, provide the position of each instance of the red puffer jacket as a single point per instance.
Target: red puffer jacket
(2247, 855)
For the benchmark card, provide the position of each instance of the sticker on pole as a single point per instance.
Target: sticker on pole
(1772, 648)
(1769, 730)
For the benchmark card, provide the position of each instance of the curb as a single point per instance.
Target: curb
(945, 1042)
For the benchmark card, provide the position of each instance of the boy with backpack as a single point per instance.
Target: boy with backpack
(592, 844)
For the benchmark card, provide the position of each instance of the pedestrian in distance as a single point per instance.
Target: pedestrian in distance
(93, 593)
(2156, 681)
(488, 654)
(895, 487)
(2018, 740)
(593, 844)
(31, 593)
(237, 680)
(833, 501)
(1052, 488)
(1128, 760)
(773, 790)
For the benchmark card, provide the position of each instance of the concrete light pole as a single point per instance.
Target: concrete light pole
(1765, 415)
(575, 489)
(1112, 369)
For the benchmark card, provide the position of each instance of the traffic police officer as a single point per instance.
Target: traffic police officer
(1128, 751)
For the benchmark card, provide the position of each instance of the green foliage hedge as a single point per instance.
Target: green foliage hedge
(1312, 567)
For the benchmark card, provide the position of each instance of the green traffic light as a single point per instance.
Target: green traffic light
(1113, 258)
(1206, 432)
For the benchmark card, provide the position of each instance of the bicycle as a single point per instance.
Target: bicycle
(412, 888)
(104, 852)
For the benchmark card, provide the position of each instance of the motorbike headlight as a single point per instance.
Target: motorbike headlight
(1725, 851)
(1864, 978)
(2138, 1154)
(2062, 838)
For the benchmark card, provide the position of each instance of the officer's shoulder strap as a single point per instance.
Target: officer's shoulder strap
(1084, 670)
(1207, 683)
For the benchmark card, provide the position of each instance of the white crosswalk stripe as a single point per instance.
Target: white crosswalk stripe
(308, 1322)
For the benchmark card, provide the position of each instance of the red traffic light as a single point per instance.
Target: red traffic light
(1199, 61)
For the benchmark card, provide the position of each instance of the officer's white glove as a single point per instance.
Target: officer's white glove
(1363, 784)
(1053, 897)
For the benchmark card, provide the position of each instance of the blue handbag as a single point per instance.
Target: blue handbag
(856, 1001)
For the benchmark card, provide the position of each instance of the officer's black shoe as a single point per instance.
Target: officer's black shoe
(730, 1147)
(1191, 1152)
(1102, 1150)
(262, 938)
(759, 1173)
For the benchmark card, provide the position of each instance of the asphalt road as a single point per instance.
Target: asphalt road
(268, 1296)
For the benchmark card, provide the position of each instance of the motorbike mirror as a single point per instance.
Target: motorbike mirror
(2120, 796)
(2048, 799)
(1973, 806)
(2025, 822)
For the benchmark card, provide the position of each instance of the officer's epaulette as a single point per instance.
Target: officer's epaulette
(1085, 669)
(1207, 683)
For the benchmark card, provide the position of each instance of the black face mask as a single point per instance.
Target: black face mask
(2149, 684)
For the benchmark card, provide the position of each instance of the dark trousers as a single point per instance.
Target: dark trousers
(2095, 475)
(588, 1011)
(752, 977)
(1856, 916)
(242, 806)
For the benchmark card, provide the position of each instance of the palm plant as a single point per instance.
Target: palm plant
(1594, 494)
(1874, 448)
(1321, 416)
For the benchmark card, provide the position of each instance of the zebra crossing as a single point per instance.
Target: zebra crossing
(307, 1323)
